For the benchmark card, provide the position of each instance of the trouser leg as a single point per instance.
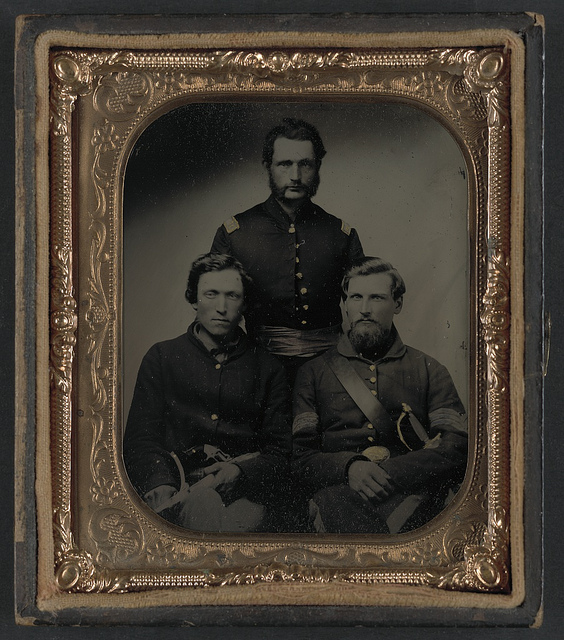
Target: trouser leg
(201, 510)
(204, 510)
(243, 515)
(339, 509)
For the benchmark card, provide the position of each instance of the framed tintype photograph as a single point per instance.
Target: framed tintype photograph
(280, 284)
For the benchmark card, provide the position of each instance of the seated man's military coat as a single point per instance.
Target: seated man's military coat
(184, 398)
(330, 431)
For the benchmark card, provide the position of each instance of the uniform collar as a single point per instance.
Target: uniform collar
(397, 350)
(275, 210)
(234, 348)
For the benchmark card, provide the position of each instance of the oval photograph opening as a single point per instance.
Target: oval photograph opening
(296, 317)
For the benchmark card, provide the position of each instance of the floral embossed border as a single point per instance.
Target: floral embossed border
(118, 546)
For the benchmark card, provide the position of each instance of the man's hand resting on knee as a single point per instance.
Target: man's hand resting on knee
(370, 481)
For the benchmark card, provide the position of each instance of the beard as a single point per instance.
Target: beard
(369, 338)
(279, 192)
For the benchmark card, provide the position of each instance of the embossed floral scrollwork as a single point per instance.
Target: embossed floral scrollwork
(481, 495)
(481, 570)
(276, 572)
(241, 62)
(486, 75)
(482, 69)
(468, 105)
(169, 81)
(63, 319)
(121, 94)
(279, 61)
(427, 83)
(305, 68)
(488, 571)
(471, 83)
(116, 534)
(483, 143)
(486, 70)
(165, 552)
(72, 73)
(63, 324)
(484, 83)
(460, 536)
(62, 105)
(70, 79)
(421, 556)
(457, 60)
(104, 138)
(161, 551)
(482, 552)
(104, 491)
(495, 319)
(75, 569)
(78, 573)
(97, 315)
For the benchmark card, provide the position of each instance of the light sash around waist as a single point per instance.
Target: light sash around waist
(283, 341)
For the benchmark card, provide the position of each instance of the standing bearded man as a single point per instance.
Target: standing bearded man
(380, 434)
(295, 252)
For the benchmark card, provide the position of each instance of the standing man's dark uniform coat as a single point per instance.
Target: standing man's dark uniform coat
(297, 267)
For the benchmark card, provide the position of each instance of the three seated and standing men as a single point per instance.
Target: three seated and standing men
(379, 431)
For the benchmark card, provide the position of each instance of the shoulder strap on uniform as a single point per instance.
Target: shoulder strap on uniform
(346, 228)
(369, 404)
(357, 390)
(231, 224)
(398, 509)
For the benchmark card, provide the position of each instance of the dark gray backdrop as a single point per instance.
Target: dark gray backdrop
(391, 171)
(554, 14)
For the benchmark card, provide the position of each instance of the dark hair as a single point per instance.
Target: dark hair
(367, 266)
(293, 129)
(215, 262)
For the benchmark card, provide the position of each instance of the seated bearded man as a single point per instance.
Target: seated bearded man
(208, 434)
(380, 433)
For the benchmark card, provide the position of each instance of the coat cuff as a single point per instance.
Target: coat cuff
(336, 467)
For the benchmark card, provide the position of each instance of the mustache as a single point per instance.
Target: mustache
(366, 320)
(310, 190)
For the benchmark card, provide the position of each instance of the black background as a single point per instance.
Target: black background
(553, 10)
